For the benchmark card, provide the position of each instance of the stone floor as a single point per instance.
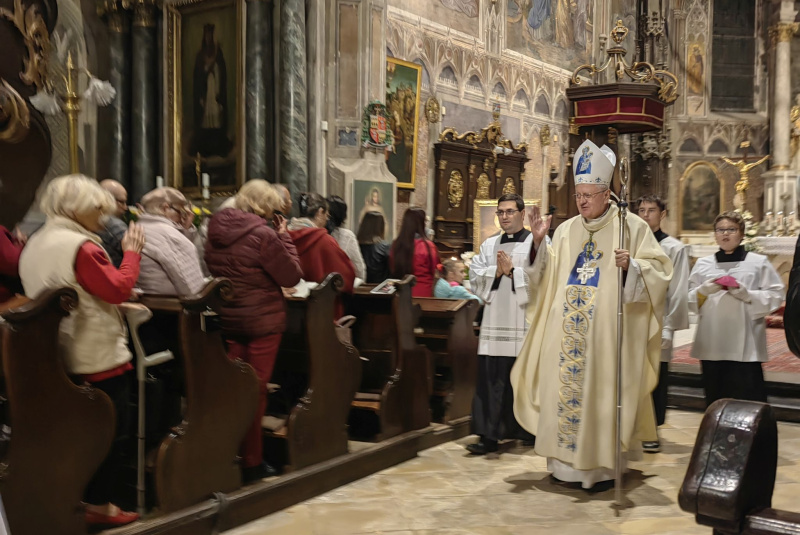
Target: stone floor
(446, 492)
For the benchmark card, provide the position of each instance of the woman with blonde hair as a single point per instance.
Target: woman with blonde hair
(67, 252)
(249, 244)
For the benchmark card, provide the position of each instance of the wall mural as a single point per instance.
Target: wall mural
(701, 198)
(558, 32)
(460, 15)
(402, 103)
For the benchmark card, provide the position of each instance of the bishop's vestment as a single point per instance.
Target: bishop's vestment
(564, 376)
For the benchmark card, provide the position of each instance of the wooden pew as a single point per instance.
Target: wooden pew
(397, 381)
(200, 456)
(325, 374)
(446, 328)
(62, 432)
(731, 474)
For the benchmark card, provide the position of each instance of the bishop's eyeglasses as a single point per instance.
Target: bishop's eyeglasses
(587, 196)
(506, 213)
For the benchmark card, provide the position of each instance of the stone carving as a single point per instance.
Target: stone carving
(432, 109)
(455, 188)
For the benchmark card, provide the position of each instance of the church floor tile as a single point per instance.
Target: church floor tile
(444, 491)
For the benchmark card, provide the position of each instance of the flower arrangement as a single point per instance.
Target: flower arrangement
(750, 231)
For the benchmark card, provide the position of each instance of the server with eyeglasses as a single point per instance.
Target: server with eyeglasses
(497, 277)
(732, 291)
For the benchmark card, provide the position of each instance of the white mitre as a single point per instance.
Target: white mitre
(593, 165)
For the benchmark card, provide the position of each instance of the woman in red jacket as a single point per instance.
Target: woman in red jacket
(412, 254)
(258, 260)
(319, 252)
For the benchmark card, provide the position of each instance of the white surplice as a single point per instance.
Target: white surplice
(676, 307)
(728, 328)
(503, 326)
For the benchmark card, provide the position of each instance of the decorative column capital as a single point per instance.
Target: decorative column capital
(114, 13)
(783, 32)
(144, 13)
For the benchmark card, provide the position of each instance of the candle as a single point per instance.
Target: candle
(206, 180)
(159, 182)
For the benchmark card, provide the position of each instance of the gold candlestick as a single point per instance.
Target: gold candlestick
(71, 104)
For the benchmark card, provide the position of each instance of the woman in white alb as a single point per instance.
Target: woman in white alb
(731, 339)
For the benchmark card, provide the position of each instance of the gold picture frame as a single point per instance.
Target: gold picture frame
(700, 199)
(204, 56)
(480, 213)
(403, 84)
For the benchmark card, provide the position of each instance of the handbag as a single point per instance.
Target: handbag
(344, 329)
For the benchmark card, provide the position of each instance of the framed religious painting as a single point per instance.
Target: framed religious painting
(375, 196)
(204, 76)
(403, 82)
(700, 197)
(485, 223)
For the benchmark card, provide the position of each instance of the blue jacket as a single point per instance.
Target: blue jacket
(445, 291)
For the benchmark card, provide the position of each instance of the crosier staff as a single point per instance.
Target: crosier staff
(622, 203)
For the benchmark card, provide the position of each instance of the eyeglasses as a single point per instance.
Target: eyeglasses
(587, 196)
(506, 213)
(726, 230)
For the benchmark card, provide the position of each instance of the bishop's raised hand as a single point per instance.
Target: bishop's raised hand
(539, 226)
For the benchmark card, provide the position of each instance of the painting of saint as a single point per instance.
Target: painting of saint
(459, 15)
(210, 98)
(467, 7)
(695, 70)
(374, 196)
(402, 102)
(700, 197)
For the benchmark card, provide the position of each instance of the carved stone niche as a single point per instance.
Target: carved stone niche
(472, 166)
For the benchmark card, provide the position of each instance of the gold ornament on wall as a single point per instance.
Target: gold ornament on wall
(455, 188)
(14, 114)
(30, 24)
(432, 109)
(544, 136)
(483, 187)
(509, 188)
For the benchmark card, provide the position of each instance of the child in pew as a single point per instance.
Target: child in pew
(449, 284)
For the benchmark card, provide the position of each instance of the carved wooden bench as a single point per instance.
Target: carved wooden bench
(446, 328)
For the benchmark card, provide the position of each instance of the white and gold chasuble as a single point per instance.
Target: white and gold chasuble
(564, 376)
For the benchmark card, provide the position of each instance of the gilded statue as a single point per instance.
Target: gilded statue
(509, 187)
(744, 171)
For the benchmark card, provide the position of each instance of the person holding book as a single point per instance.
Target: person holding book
(732, 291)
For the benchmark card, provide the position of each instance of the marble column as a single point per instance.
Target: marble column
(259, 81)
(782, 96)
(144, 101)
(315, 71)
(118, 157)
(293, 97)
(780, 181)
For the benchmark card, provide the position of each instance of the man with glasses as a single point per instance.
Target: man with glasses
(653, 210)
(115, 227)
(565, 374)
(497, 277)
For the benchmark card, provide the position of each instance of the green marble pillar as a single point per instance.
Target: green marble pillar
(144, 100)
(293, 97)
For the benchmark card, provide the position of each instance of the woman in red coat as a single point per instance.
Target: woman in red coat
(319, 252)
(412, 254)
(243, 247)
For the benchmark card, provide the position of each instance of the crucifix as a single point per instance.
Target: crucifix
(744, 172)
(586, 272)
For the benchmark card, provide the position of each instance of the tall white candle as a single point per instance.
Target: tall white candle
(159, 182)
(206, 180)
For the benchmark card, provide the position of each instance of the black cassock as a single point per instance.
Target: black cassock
(791, 316)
